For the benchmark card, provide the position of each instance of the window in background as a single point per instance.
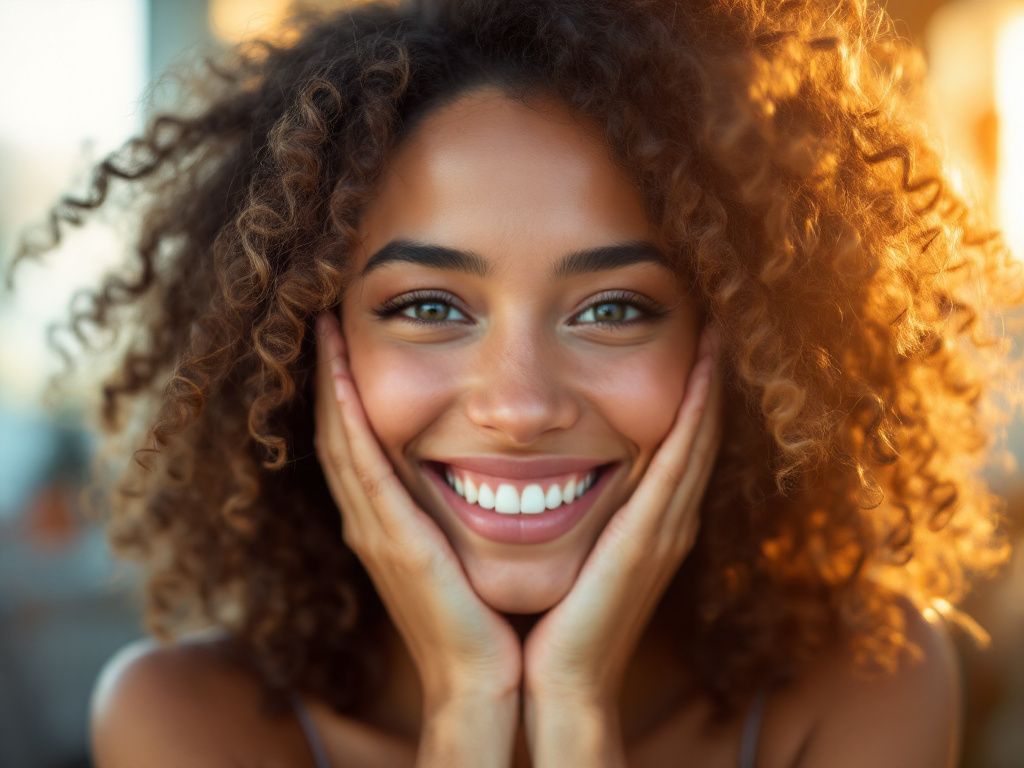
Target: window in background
(76, 76)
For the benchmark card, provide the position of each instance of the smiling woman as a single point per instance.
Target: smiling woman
(553, 383)
(515, 310)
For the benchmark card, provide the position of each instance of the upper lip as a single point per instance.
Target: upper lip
(541, 466)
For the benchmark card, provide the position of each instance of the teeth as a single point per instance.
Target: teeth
(569, 491)
(486, 499)
(533, 500)
(554, 497)
(507, 500)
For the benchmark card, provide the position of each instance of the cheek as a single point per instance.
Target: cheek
(402, 389)
(639, 395)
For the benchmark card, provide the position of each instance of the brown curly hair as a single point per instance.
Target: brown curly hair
(782, 153)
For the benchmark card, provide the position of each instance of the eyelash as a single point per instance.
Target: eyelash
(391, 308)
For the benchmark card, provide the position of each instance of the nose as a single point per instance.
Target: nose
(518, 388)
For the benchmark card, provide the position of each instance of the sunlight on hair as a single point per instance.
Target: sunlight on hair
(940, 607)
(235, 20)
(1010, 106)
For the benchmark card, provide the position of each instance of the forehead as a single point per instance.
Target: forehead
(495, 175)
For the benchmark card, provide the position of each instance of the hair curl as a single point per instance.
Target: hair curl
(781, 151)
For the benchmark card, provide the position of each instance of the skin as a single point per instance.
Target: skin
(519, 379)
(516, 379)
(512, 363)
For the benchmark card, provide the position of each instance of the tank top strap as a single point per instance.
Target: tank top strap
(752, 729)
(316, 745)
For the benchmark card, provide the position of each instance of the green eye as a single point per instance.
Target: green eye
(610, 313)
(431, 312)
(614, 310)
(422, 308)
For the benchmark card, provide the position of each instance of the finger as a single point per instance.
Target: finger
(358, 511)
(682, 519)
(708, 438)
(669, 468)
(372, 479)
(331, 442)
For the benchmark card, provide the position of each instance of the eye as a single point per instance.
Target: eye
(422, 308)
(620, 309)
(427, 308)
(610, 313)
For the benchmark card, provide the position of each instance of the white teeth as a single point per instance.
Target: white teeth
(532, 500)
(569, 491)
(507, 500)
(486, 498)
(554, 497)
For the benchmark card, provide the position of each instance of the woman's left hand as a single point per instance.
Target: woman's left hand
(578, 652)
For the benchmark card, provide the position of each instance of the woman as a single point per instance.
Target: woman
(551, 383)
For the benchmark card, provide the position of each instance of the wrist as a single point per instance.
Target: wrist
(566, 731)
(468, 729)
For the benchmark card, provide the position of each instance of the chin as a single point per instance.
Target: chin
(520, 586)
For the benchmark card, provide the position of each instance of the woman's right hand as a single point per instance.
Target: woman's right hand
(463, 649)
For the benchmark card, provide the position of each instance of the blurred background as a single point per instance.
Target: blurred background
(79, 77)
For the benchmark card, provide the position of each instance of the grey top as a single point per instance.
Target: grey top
(748, 741)
(316, 746)
(752, 730)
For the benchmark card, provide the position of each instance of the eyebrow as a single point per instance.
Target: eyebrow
(576, 263)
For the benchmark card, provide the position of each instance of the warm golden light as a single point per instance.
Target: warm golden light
(235, 20)
(1010, 109)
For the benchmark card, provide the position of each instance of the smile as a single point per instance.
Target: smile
(519, 511)
(511, 497)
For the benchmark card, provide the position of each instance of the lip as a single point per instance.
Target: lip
(521, 529)
(523, 469)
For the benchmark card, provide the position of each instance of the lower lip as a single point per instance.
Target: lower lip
(521, 529)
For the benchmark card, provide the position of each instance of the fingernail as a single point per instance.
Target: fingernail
(337, 369)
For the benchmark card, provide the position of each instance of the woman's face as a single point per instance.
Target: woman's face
(503, 354)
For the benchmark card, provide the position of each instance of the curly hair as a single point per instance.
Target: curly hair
(782, 153)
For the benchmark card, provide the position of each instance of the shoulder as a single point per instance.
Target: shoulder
(906, 717)
(185, 703)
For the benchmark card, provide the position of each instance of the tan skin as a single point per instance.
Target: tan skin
(521, 368)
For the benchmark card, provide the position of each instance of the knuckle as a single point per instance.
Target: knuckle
(678, 548)
(326, 450)
(350, 539)
(348, 476)
(416, 560)
(373, 483)
(629, 552)
(333, 456)
(698, 412)
(634, 559)
(668, 478)
(370, 549)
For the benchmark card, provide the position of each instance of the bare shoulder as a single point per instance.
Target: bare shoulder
(186, 703)
(907, 717)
